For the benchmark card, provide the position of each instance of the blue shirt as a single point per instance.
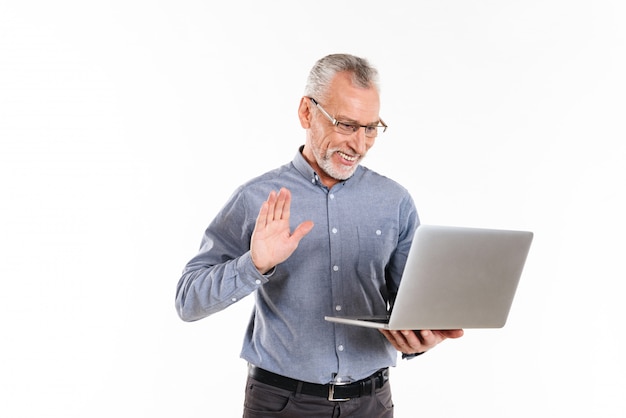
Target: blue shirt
(349, 264)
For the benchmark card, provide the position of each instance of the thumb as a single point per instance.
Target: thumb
(301, 230)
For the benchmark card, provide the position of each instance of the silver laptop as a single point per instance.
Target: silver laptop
(455, 277)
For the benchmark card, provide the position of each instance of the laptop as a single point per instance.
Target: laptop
(455, 278)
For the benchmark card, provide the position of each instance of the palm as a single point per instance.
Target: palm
(272, 241)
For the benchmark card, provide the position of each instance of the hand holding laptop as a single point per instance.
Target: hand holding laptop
(414, 342)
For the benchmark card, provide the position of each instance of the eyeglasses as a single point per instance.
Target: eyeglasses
(371, 131)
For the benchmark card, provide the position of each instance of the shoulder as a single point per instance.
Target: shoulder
(256, 189)
(375, 182)
(275, 177)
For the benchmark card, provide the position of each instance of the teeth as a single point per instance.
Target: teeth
(346, 156)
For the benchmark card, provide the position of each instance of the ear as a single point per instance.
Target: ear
(304, 112)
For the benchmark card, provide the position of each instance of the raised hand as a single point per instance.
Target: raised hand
(272, 240)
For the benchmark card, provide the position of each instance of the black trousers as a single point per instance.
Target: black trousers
(265, 401)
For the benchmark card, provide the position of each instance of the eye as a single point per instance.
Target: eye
(370, 130)
(347, 127)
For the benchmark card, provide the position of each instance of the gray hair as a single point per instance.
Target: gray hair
(325, 69)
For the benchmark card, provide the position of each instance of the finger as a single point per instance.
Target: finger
(452, 333)
(391, 338)
(283, 200)
(412, 338)
(271, 205)
(261, 219)
(413, 342)
(400, 340)
(302, 229)
(388, 335)
(425, 336)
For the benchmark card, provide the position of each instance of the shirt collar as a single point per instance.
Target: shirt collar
(304, 168)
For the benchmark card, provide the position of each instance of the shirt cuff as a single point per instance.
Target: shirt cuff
(248, 269)
(411, 356)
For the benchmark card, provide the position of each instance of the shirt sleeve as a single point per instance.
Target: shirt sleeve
(409, 221)
(222, 273)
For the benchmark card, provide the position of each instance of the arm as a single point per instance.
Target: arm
(235, 257)
(222, 271)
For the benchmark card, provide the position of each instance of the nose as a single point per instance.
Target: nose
(359, 142)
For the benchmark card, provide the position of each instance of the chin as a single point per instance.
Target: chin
(345, 174)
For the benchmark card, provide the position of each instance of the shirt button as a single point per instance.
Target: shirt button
(257, 281)
(334, 230)
(378, 232)
(332, 196)
(234, 300)
(338, 307)
(335, 268)
(340, 347)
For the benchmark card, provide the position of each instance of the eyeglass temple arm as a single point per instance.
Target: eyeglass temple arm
(333, 120)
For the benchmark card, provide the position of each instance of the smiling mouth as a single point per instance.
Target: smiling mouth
(347, 157)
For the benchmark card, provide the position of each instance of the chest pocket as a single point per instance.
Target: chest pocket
(376, 244)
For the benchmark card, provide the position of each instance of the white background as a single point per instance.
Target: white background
(125, 125)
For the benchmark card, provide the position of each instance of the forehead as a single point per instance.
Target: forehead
(347, 100)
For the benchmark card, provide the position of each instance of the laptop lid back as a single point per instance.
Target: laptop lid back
(458, 277)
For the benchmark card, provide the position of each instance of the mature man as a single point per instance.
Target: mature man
(321, 235)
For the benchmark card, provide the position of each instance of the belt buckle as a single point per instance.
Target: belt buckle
(331, 392)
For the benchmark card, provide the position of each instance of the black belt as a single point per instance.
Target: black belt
(333, 392)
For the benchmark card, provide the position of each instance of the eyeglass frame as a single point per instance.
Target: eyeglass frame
(354, 126)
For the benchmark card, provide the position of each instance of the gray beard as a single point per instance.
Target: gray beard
(326, 165)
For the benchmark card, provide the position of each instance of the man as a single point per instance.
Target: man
(319, 236)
